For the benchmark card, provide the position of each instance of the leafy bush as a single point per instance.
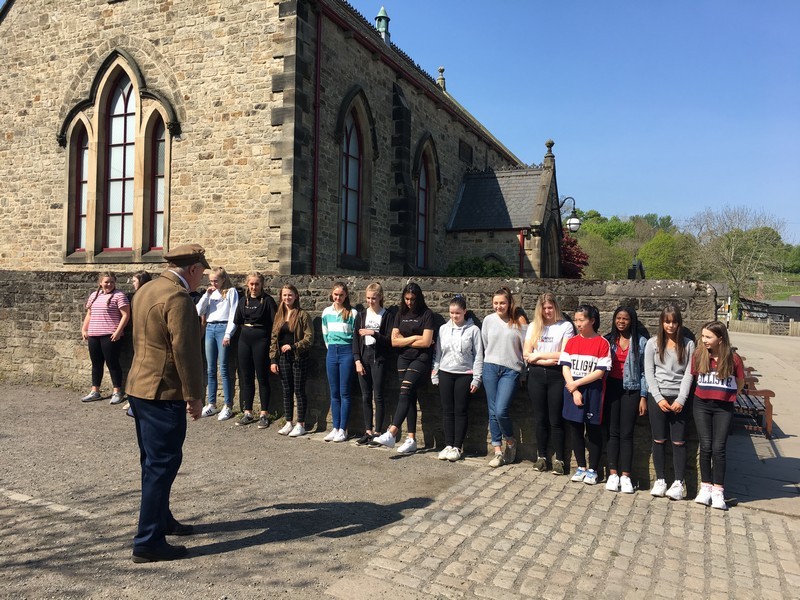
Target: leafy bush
(478, 267)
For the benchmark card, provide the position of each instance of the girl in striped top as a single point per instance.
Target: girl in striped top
(337, 331)
(107, 313)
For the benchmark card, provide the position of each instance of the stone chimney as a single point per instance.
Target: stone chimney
(382, 25)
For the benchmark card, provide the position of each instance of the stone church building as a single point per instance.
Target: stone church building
(290, 137)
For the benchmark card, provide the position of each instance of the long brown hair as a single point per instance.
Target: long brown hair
(724, 356)
(99, 289)
(672, 313)
(514, 312)
(281, 315)
(346, 307)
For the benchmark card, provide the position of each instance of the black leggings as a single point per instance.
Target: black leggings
(254, 364)
(371, 383)
(412, 373)
(594, 435)
(676, 422)
(103, 351)
(620, 412)
(293, 379)
(454, 392)
(546, 394)
(713, 421)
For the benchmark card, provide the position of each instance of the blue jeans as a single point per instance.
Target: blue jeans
(215, 351)
(340, 366)
(499, 383)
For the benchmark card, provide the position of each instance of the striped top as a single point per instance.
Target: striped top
(105, 315)
(336, 330)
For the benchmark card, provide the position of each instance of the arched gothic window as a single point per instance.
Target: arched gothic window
(423, 209)
(350, 198)
(118, 211)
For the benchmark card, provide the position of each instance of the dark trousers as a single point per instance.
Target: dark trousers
(412, 373)
(620, 412)
(594, 437)
(103, 351)
(160, 430)
(254, 364)
(293, 371)
(371, 383)
(676, 423)
(546, 394)
(454, 393)
(713, 421)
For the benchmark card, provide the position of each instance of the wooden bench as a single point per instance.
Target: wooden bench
(755, 404)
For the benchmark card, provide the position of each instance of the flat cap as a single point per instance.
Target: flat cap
(186, 255)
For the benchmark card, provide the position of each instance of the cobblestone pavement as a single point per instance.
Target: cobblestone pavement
(517, 533)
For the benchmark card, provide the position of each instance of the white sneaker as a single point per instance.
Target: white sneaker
(385, 439)
(225, 414)
(659, 488)
(718, 499)
(341, 436)
(675, 491)
(116, 398)
(497, 460)
(704, 495)
(444, 453)
(625, 485)
(408, 447)
(612, 485)
(331, 434)
(455, 454)
(209, 411)
(297, 431)
(591, 477)
(286, 429)
(579, 475)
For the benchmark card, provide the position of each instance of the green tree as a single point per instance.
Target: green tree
(605, 261)
(669, 256)
(611, 230)
(737, 244)
(792, 264)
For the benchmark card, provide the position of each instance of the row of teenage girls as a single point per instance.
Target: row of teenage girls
(599, 385)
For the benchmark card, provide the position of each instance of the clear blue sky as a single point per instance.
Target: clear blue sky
(654, 107)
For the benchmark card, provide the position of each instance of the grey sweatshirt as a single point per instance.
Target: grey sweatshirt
(668, 378)
(502, 345)
(459, 350)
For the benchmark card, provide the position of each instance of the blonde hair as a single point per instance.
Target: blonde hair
(254, 275)
(281, 315)
(225, 284)
(538, 314)
(725, 363)
(377, 288)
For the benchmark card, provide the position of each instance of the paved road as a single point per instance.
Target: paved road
(292, 519)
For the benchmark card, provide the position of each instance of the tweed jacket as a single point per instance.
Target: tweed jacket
(167, 362)
(303, 337)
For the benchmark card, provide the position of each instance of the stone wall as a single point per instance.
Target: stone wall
(41, 313)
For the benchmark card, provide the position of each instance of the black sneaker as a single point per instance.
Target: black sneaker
(246, 419)
(540, 464)
(364, 439)
(263, 422)
(559, 468)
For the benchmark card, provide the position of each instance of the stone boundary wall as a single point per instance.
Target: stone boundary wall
(41, 313)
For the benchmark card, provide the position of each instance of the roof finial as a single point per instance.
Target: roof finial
(549, 144)
(440, 79)
(382, 25)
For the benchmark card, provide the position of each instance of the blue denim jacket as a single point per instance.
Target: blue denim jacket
(632, 372)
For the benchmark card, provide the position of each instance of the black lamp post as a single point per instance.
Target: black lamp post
(573, 222)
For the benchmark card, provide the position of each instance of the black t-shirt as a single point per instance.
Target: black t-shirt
(285, 335)
(414, 324)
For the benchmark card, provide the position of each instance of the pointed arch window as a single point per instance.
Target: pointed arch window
(81, 188)
(120, 156)
(423, 208)
(158, 185)
(350, 198)
(118, 143)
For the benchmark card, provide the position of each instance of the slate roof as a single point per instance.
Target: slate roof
(500, 200)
